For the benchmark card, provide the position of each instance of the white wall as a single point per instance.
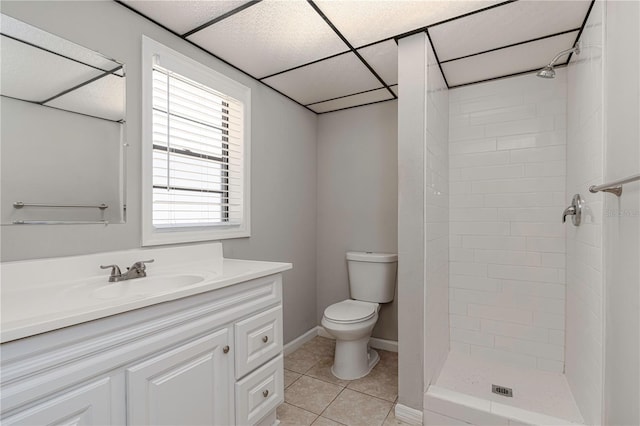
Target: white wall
(422, 215)
(507, 171)
(621, 223)
(357, 199)
(585, 151)
(283, 159)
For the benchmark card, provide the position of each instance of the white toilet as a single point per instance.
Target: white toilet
(372, 280)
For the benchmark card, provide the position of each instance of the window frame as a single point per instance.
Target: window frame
(154, 53)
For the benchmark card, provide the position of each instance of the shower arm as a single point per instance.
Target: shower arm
(565, 52)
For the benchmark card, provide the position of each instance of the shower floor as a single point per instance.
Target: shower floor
(539, 397)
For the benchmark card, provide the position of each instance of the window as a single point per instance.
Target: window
(195, 150)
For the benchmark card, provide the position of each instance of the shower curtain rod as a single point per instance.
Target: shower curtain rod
(614, 187)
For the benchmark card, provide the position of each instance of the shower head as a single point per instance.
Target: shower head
(548, 71)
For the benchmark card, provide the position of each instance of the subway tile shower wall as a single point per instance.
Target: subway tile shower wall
(507, 150)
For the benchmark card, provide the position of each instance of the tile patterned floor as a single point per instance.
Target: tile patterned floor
(313, 396)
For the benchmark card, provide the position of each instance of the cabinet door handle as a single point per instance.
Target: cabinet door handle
(265, 393)
(265, 339)
(225, 349)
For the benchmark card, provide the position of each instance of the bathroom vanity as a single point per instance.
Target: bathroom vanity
(203, 347)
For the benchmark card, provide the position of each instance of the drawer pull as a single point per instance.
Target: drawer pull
(265, 339)
(226, 349)
(265, 393)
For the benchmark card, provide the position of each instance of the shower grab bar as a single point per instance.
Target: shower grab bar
(614, 187)
(60, 222)
(20, 204)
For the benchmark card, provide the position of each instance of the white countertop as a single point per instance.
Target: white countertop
(44, 295)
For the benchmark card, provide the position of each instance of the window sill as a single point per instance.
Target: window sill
(155, 236)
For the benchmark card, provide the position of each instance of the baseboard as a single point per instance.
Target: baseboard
(385, 345)
(300, 340)
(408, 415)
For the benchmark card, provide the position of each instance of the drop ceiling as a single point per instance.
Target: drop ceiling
(84, 81)
(329, 55)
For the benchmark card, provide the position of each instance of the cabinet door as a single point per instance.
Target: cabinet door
(89, 404)
(187, 385)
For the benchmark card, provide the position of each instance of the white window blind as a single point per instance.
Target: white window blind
(197, 154)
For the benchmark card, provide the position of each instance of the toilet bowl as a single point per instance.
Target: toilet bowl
(372, 280)
(351, 323)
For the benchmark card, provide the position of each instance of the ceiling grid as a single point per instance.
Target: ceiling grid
(308, 50)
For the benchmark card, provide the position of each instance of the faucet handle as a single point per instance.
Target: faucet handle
(115, 275)
(140, 264)
(115, 269)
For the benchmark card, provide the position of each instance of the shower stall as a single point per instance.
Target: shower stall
(508, 315)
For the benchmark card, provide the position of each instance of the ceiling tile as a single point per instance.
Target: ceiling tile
(504, 25)
(270, 37)
(184, 15)
(338, 76)
(507, 61)
(32, 74)
(383, 57)
(35, 36)
(395, 89)
(367, 21)
(377, 95)
(101, 98)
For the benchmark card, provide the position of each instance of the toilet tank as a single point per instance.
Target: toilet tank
(372, 276)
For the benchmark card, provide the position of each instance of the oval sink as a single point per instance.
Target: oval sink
(144, 286)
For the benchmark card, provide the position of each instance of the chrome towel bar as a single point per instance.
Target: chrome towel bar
(60, 222)
(614, 187)
(20, 204)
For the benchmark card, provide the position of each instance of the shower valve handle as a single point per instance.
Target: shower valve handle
(574, 210)
(569, 211)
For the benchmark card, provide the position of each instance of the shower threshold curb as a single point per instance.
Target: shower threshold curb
(471, 409)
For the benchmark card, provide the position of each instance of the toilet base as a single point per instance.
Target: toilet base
(354, 359)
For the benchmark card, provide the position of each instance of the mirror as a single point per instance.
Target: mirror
(61, 142)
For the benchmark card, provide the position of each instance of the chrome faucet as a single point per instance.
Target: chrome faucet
(137, 270)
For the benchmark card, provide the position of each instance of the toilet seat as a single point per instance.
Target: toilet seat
(351, 311)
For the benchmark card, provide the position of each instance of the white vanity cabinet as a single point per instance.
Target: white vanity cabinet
(212, 358)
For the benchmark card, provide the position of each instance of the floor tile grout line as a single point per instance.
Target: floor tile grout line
(296, 379)
(393, 403)
(372, 396)
(336, 384)
(329, 405)
(327, 380)
(335, 421)
(304, 409)
(362, 393)
(341, 390)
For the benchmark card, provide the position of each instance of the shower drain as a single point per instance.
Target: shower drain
(501, 390)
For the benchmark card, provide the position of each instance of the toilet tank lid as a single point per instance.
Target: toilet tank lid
(367, 256)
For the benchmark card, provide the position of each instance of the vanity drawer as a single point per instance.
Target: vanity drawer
(258, 339)
(260, 392)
